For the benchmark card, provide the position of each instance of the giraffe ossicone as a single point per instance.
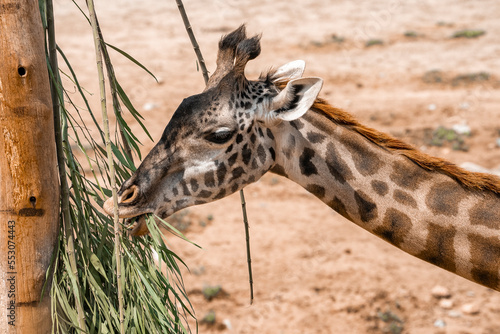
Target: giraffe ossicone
(236, 130)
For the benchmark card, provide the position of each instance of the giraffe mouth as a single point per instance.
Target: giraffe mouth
(136, 226)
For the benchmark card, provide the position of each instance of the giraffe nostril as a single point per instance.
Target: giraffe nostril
(129, 195)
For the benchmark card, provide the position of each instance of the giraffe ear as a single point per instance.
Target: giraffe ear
(289, 71)
(295, 99)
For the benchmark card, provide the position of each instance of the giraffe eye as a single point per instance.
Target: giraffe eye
(220, 136)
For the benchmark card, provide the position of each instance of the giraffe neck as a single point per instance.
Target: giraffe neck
(425, 213)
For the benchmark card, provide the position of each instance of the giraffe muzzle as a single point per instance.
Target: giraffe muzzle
(137, 226)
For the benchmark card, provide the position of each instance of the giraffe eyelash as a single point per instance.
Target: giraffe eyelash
(220, 136)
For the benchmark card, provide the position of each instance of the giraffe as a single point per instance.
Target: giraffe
(237, 130)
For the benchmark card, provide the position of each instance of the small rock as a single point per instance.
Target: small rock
(432, 107)
(439, 323)
(149, 106)
(440, 292)
(464, 105)
(498, 142)
(227, 323)
(471, 308)
(454, 314)
(446, 304)
(462, 129)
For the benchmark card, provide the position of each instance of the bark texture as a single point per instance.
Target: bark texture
(29, 186)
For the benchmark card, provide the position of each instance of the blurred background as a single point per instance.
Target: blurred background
(427, 72)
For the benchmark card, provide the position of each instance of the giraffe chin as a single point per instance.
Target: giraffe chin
(137, 226)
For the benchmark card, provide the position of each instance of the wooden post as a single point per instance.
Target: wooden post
(29, 186)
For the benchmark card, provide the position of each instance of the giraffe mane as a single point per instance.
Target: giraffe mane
(471, 180)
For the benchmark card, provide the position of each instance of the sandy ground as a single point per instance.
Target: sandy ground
(313, 271)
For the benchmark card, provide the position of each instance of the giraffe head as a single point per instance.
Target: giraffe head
(218, 141)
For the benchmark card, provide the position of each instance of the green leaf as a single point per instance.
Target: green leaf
(98, 266)
(129, 57)
(124, 98)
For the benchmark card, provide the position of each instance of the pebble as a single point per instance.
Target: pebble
(454, 314)
(464, 105)
(149, 106)
(432, 107)
(498, 142)
(471, 308)
(462, 129)
(446, 304)
(440, 292)
(227, 323)
(439, 323)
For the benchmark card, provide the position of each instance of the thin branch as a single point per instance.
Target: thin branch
(204, 71)
(247, 237)
(65, 206)
(190, 33)
(112, 84)
(105, 120)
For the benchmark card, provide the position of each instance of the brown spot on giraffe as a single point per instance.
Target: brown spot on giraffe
(315, 137)
(194, 185)
(485, 252)
(185, 190)
(246, 154)
(380, 187)
(444, 198)
(220, 194)
(232, 159)
(307, 167)
(486, 212)
(367, 209)
(407, 175)
(317, 190)
(289, 147)
(440, 246)
(297, 124)
(395, 227)
(221, 173)
(337, 205)
(280, 170)
(261, 153)
(209, 179)
(336, 165)
(205, 194)
(404, 198)
(366, 161)
(237, 173)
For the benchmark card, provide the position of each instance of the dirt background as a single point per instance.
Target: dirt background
(315, 272)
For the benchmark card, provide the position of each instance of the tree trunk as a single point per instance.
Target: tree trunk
(29, 186)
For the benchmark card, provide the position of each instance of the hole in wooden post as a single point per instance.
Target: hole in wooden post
(21, 71)
(33, 200)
